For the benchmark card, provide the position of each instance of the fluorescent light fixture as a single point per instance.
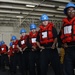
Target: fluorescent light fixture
(19, 16)
(30, 5)
(51, 5)
(60, 9)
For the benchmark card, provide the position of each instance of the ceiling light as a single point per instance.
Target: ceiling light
(19, 16)
(51, 15)
(60, 9)
(30, 6)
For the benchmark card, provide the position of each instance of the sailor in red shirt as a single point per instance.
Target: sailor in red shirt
(4, 56)
(10, 50)
(17, 50)
(23, 43)
(47, 40)
(15, 46)
(23, 39)
(67, 36)
(11, 57)
(34, 53)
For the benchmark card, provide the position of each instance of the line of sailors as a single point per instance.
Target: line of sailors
(34, 50)
(38, 48)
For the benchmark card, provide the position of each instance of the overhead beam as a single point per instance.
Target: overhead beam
(36, 3)
(21, 12)
(64, 1)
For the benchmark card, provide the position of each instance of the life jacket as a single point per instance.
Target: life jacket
(46, 35)
(10, 51)
(15, 48)
(32, 38)
(68, 30)
(4, 48)
(23, 41)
